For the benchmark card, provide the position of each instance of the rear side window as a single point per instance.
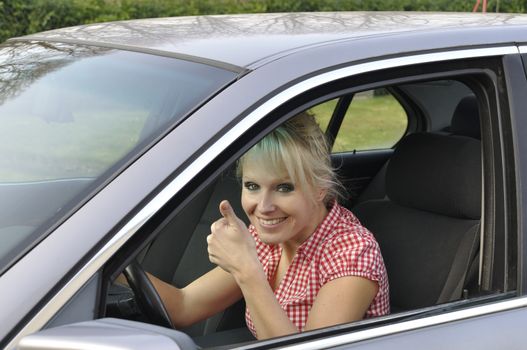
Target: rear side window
(373, 120)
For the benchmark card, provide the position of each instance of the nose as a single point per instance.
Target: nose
(266, 203)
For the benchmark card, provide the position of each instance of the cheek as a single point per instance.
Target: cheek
(300, 208)
(247, 203)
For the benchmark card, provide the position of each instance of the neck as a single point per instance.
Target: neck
(290, 247)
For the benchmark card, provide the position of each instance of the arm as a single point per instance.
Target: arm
(342, 300)
(207, 295)
(269, 319)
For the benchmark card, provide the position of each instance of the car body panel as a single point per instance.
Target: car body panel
(298, 60)
(518, 105)
(494, 331)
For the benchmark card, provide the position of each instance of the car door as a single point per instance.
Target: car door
(496, 295)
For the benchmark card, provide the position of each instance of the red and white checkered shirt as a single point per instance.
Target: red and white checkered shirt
(339, 247)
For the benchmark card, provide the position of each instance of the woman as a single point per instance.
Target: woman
(305, 262)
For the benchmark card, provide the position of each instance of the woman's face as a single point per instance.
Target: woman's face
(281, 212)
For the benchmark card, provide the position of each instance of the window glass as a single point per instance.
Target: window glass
(323, 113)
(70, 114)
(374, 120)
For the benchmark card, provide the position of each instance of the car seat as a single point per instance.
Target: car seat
(428, 224)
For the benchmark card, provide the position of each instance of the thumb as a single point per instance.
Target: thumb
(228, 213)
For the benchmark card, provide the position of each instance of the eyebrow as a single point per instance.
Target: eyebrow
(279, 181)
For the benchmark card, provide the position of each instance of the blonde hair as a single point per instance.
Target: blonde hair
(300, 149)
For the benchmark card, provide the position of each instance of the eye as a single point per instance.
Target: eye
(285, 187)
(251, 186)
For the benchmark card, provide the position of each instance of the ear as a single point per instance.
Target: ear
(321, 195)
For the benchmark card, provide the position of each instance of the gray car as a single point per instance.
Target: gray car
(118, 140)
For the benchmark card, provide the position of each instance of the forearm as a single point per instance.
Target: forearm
(204, 297)
(173, 299)
(269, 319)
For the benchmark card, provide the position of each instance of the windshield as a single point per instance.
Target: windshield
(71, 116)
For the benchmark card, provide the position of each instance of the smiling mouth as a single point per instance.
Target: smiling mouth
(270, 222)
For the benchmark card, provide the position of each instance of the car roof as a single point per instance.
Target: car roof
(250, 40)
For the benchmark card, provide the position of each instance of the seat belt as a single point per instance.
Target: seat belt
(455, 282)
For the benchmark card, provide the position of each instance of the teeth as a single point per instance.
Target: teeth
(271, 221)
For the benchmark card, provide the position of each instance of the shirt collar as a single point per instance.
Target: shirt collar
(308, 248)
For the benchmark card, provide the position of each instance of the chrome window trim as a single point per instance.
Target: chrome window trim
(522, 48)
(132, 226)
(410, 325)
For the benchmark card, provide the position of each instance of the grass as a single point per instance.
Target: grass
(371, 122)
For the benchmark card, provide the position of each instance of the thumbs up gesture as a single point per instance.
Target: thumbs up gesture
(230, 245)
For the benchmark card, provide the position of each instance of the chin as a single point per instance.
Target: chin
(269, 238)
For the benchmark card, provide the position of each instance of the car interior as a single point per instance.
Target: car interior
(421, 198)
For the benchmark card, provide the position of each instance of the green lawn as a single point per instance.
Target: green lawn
(371, 122)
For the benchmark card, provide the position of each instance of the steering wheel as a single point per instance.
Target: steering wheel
(148, 300)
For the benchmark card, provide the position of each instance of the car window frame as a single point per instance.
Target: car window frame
(456, 70)
(343, 104)
(514, 128)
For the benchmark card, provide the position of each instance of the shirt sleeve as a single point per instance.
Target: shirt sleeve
(352, 254)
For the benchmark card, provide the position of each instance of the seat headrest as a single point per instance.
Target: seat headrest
(465, 120)
(437, 173)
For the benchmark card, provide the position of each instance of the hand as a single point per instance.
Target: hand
(230, 245)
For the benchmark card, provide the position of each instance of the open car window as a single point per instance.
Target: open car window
(448, 249)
